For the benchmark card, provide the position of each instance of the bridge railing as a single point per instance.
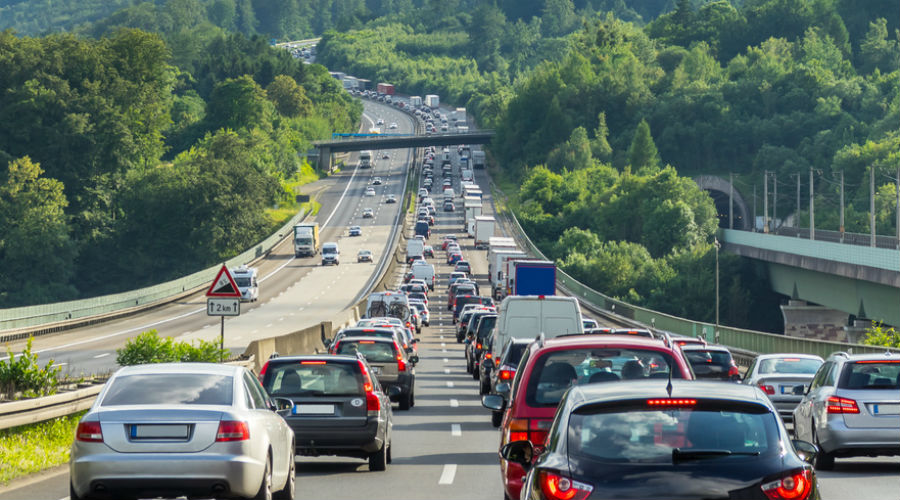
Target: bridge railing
(750, 340)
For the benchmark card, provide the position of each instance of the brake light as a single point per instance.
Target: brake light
(373, 404)
(796, 486)
(232, 430)
(538, 431)
(506, 374)
(488, 355)
(837, 404)
(401, 365)
(733, 371)
(768, 389)
(89, 432)
(518, 429)
(262, 371)
(366, 341)
(878, 361)
(478, 345)
(312, 362)
(669, 402)
(557, 487)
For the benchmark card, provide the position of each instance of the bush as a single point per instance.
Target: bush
(149, 347)
(23, 374)
(878, 335)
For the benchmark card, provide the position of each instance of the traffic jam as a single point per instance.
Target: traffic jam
(584, 407)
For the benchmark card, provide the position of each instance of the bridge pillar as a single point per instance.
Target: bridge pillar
(807, 321)
(324, 159)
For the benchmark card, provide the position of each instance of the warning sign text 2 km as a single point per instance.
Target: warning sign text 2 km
(224, 295)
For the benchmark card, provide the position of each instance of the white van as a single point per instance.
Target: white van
(415, 249)
(246, 280)
(422, 270)
(529, 316)
(331, 254)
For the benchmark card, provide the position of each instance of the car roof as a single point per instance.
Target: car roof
(656, 388)
(707, 347)
(787, 355)
(589, 340)
(344, 358)
(887, 355)
(208, 368)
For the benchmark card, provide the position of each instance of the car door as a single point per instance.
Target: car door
(273, 424)
(806, 408)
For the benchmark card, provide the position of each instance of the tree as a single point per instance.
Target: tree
(643, 155)
(35, 246)
(239, 103)
(289, 98)
(599, 144)
(574, 154)
(876, 51)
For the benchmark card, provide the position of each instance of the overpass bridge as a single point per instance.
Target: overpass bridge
(327, 148)
(844, 274)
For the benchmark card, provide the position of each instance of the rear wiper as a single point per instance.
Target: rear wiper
(696, 454)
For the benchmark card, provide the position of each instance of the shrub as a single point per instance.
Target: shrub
(878, 335)
(23, 374)
(149, 347)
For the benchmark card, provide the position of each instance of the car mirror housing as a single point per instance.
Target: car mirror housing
(414, 359)
(283, 404)
(502, 388)
(520, 452)
(493, 402)
(394, 391)
(805, 450)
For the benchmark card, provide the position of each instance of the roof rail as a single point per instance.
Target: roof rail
(840, 353)
(540, 339)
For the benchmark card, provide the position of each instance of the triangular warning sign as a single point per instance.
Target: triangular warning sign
(223, 285)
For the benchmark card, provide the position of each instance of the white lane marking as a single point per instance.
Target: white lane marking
(447, 475)
(269, 325)
(450, 384)
(443, 344)
(105, 354)
(455, 430)
(446, 360)
(61, 364)
(447, 371)
(443, 350)
(454, 403)
(206, 326)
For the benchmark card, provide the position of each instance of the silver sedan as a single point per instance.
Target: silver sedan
(191, 429)
(784, 378)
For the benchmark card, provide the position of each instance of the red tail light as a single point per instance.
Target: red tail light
(768, 389)
(558, 487)
(506, 374)
(312, 362)
(373, 404)
(488, 355)
(796, 486)
(89, 432)
(518, 429)
(531, 429)
(671, 402)
(734, 371)
(262, 371)
(401, 365)
(231, 430)
(841, 405)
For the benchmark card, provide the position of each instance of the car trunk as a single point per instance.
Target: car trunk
(784, 385)
(328, 411)
(878, 408)
(153, 429)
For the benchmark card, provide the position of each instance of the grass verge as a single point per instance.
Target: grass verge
(35, 447)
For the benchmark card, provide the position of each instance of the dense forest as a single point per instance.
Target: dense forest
(125, 170)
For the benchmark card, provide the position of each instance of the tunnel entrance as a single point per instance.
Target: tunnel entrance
(718, 189)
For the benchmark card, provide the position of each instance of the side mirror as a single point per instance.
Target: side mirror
(519, 452)
(805, 450)
(394, 391)
(416, 340)
(414, 359)
(283, 404)
(502, 388)
(493, 402)
(409, 350)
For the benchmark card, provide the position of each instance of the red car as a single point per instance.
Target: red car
(550, 367)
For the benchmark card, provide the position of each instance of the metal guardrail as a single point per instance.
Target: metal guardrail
(749, 341)
(30, 411)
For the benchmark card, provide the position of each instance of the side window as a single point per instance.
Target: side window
(819, 379)
(751, 369)
(519, 370)
(256, 392)
(832, 376)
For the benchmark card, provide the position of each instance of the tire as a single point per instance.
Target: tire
(406, 401)
(476, 373)
(290, 486)
(265, 488)
(389, 458)
(485, 387)
(468, 363)
(496, 418)
(378, 460)
(824, 461)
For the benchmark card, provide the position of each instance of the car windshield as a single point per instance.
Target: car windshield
(312, 378)
(640, 434)
(170, 389)
(375, 352)
(871, 375)
(556, 371)
(803, 366)
(242, 282)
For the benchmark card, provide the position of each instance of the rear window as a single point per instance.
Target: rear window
(514, 355)
(556, 371)
(312, 378)
(170, 389)
(871, 375)
(641, 434)
(375, 352)
(801, 366)
(485, 326)
(716, 360)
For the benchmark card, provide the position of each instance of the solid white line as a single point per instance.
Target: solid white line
(105, 354)
(450, 384)
(454, 403)
(455, 430)
(447, 475)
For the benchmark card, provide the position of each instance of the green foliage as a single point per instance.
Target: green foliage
(642, 155)
(878, 335)
(32, 448)
(149, 347)
(23, 374)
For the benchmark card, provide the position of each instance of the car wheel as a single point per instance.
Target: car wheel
(265, 488)
(496, 418)
(406, 401)
(290, 486)
(378, 460)
(468, 363)
(485, 387)
(824, 460)
(475, 372)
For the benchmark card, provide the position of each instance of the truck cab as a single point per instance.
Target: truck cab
(248, 284)
(365, 159)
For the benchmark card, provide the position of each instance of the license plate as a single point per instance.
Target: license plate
(144, 431)
(788, 389)
(313, 410)
(886, 409)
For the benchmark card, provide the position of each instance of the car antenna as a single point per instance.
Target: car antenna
(669, 384)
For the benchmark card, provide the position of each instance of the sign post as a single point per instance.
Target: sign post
(223, 299)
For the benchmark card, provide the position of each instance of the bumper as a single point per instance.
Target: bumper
(841, 440)
(342, 441)
(785, 406)
(163, 474)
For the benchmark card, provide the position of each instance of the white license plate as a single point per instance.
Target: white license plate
(144, 431)
(885, 409)
(788, 389)
(314, 410)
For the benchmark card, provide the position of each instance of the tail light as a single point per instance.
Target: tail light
(796, 486)
(401, 365)
(478, 345)
(373, 404)
(231, 430)
(89, 432)
(558, 487)
(734, 371)
(506, 374)
(488, 355)
(671, 402)
(530, 429)
(768, 389)
(262, 371)
(841, 405)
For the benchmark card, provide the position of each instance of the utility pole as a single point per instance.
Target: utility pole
(842, 206)
(731, 202)
(797, 214)
(765, 201)
(872, 205)
(897, 207)
(754, 207)
(716, 333)
(812, 207)
(775, 201)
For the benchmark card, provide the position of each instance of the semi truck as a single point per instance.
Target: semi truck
(478, 159)
(496, 263)
(484, 229)
(532, 277)
(432, 101)
(306, 239)
(385, 89)
(365, 159)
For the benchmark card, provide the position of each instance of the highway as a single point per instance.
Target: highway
(445, 446)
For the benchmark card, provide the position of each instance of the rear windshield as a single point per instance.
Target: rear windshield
(320, 379)
(645, 435)
(375, 352)
(802, 366)
(868, 375)
(170, 389)
(485, 326)
(462, 301)
(556, 371)
(514, 355)
(717, 358)
(388, 334)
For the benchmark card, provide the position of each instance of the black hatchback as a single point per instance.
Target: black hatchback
(635, 439)
(339, 406)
